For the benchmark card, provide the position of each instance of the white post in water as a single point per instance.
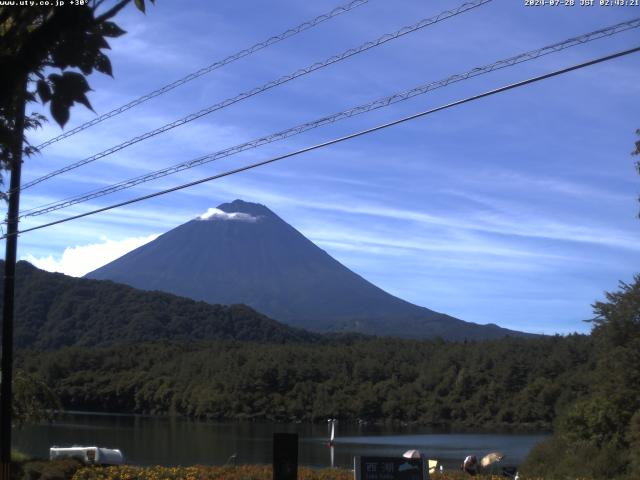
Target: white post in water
(332, 436)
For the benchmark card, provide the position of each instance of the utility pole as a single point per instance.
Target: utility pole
(9, 284)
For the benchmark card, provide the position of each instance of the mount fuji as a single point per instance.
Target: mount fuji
(243, 253)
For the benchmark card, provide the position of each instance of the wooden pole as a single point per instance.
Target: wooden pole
(9, 286)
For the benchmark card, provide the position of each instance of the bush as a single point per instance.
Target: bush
(557, 458)
(245, 472)
(62, 469)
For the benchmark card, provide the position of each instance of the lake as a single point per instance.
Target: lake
(175, 441)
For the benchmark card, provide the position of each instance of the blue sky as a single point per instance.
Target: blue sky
(519, 209)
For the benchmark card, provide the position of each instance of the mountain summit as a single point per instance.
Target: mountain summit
(242, 252)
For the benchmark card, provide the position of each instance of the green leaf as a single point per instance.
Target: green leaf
(59, 112)
(110, 29)
(44, 91)
(28, 151)
(55, 80)
(101, 42)
(103, 64)
(76, 81)
(86, 65)
(82, 98)
(68, 88)
(75, 87)
(140, 5)
(34, 120)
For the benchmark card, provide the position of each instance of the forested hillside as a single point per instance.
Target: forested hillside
(55, 310)
(509, 382)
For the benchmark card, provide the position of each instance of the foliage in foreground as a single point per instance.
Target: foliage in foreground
(54, 310)
(62, 469)
(46, 53)
(71, 469)
(599, 434)
(244, 472)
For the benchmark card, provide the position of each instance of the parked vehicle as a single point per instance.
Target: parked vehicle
(88, 455)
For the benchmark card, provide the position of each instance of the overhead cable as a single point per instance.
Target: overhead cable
(208, 69)
(336, 140)
(379, 103)
(267, 86)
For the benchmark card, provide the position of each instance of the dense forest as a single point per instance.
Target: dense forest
(55, 310)
(510, 382)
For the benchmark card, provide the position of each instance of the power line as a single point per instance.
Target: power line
(338, 140)
(380, 103)
(274, 83)
(208, 69)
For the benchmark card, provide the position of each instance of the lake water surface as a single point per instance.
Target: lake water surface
(175, 441)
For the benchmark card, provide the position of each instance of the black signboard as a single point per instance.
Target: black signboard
(389, 468)
(285, 456)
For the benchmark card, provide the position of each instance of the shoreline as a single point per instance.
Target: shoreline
(443, 428)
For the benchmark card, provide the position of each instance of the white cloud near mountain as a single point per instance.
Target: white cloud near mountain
(217, 214)
(82, 259)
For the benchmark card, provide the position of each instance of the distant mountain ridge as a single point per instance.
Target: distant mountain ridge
(243, 253)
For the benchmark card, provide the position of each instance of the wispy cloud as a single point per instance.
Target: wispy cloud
(504, 220)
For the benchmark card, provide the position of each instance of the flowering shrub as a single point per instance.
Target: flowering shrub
(244, 472)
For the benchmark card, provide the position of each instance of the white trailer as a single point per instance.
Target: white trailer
(88, 455)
